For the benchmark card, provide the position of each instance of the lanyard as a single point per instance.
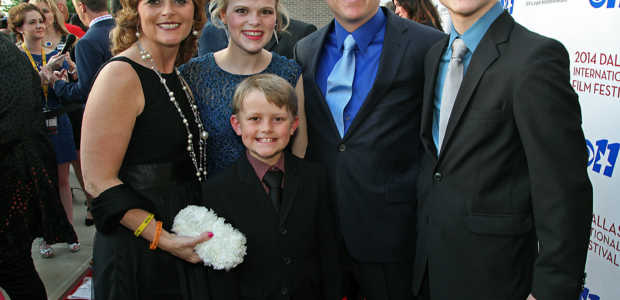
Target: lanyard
(34, 65)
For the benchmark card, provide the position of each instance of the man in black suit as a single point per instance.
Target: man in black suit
(91, 51)
(505, 202)
(371, 148)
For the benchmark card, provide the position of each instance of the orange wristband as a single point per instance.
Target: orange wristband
(155, 241)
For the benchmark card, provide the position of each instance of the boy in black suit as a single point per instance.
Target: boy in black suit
(278, 201)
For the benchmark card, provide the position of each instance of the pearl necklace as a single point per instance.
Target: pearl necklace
(199, 160)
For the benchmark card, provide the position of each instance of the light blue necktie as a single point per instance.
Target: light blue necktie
(340, 83)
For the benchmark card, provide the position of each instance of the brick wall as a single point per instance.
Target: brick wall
(310, 11)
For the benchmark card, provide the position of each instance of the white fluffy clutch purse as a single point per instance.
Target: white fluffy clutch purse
(225, 250)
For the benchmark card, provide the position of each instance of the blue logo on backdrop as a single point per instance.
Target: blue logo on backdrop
(600, 3)
(586, 295)
(602, 156)
(509, 4)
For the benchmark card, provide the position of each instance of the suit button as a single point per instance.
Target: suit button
(283, 231)
(284, 291)
(437, 177)
(287, 260)
(342, 147)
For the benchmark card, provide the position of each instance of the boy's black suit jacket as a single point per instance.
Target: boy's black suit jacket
(505, 208)
(292, 254)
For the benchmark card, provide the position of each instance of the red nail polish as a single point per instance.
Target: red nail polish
(210, 234)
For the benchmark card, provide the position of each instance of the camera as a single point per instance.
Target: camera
(51, 120)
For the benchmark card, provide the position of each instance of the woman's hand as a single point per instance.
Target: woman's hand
(55, 62)
(46, 76)
(183, 246)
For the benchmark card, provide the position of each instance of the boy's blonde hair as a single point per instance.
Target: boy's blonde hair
(276, 89)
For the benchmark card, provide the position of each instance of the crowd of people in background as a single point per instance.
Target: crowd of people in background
(353, 157)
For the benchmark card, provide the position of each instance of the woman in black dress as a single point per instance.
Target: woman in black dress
(143, 153)
(29, 202)
(27, 21)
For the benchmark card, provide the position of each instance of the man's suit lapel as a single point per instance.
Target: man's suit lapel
(291, 186)
(310, 74)
(430, 78)
(391, 58)
(486, 53)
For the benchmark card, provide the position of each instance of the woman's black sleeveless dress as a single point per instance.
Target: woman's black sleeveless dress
(157, 166)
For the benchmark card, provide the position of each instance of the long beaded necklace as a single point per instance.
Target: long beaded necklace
(199, 160)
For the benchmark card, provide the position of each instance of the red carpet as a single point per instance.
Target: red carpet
(76, 285)
(78, 282)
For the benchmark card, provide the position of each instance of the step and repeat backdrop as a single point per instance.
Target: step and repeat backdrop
(589, 31)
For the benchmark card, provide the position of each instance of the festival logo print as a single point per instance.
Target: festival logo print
(508, 5)
(601, 3)
(586, 295)
(602, 156)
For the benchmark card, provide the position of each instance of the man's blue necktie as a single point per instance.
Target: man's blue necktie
(340, 83)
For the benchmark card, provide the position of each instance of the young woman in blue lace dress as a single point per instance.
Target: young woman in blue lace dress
(213, 77)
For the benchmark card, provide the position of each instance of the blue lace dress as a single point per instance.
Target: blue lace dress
(213, 89)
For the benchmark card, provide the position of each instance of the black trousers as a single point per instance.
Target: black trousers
(377, 281)
(424, 293)
(20, 279)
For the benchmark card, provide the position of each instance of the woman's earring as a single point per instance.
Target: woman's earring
(138, 31)
(195, 32)
(275, 32)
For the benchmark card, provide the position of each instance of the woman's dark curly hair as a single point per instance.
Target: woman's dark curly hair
(124, 34)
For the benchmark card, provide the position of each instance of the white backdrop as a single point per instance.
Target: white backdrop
(589, 31)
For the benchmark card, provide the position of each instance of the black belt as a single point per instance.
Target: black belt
(146, 176)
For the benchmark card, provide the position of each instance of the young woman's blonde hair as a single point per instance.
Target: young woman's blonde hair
(282, 15)
(59, 23)
(127, 19)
